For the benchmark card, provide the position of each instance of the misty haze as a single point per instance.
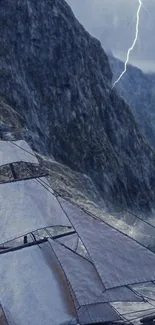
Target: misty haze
(113, 23)
(77, 163)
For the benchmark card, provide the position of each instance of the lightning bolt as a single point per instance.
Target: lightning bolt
(133, 44)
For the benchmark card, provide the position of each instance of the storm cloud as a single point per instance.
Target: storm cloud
(113, 22)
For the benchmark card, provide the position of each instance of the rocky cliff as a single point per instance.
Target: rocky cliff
(57, 79)
(138, 90)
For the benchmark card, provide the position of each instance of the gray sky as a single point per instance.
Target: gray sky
(113, 22)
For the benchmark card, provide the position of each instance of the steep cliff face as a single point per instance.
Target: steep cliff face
(57, 79)
(138, 90)
(109, 21)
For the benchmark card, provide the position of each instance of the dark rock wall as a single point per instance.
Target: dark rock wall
(58, 79)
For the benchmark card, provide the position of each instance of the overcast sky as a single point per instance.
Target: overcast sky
(113, 22)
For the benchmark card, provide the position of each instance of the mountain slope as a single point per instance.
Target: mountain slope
(58, 79)
(114, 24)
(138, 90)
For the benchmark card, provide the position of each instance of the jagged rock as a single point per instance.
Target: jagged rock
(58, 80)
(138, 90)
